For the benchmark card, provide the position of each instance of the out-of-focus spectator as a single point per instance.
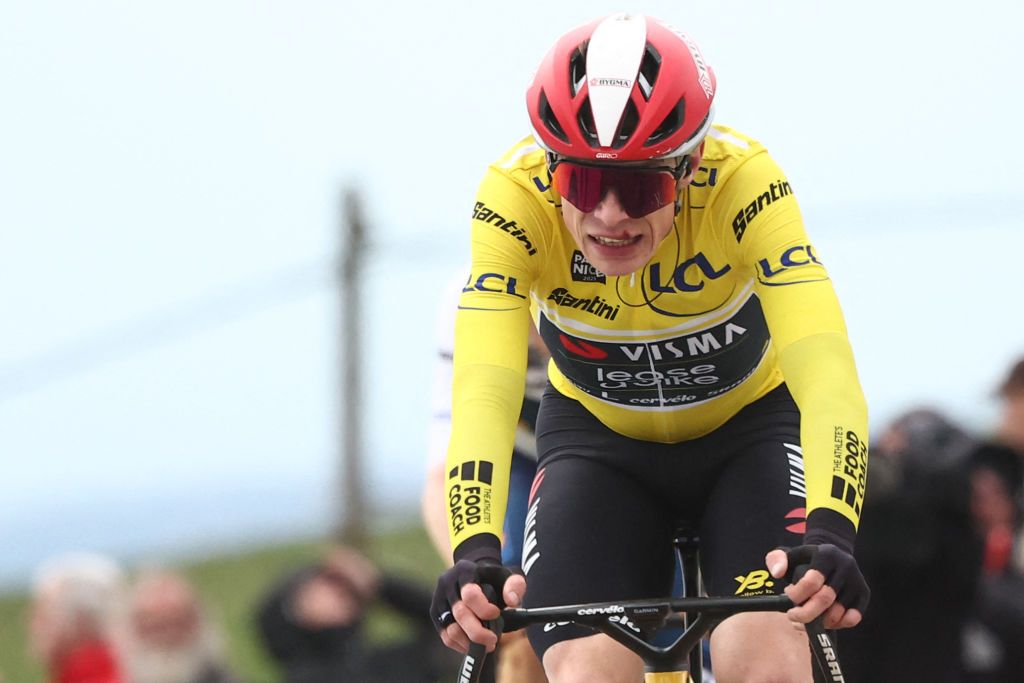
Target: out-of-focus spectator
(167, 637)
(1003, 457)
(312, 625)
(75, 599)
(995, 636)
(995, 516)
(919, 553)
(1011, 427)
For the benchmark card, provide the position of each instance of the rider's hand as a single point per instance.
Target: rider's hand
(833, 584)
(468, 594)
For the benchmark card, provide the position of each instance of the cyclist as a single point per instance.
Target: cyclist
(518, 663)
(700, 364)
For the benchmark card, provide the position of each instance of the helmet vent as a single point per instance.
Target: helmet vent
(669, 125)
(549, 119)
(578, 69)
(585, 118)
(627, 126)
(650, 64)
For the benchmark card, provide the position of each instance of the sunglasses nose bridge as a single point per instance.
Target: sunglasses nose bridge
(610, 208)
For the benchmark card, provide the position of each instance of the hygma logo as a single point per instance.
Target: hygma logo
(614, 82)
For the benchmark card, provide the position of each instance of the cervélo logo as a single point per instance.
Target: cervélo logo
(582, 271)
(610, 609)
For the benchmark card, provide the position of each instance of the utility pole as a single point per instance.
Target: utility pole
(350, 526)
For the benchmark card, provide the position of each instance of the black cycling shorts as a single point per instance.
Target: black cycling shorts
(604, 507)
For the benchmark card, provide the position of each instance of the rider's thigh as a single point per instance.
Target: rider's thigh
(594, 659)
(760, 647)
(517, 662)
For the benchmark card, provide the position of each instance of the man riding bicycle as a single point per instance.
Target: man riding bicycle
(700, 369)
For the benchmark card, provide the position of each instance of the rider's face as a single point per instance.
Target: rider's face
(612, 241)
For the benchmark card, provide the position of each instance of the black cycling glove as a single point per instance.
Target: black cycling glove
(839, 568)
(483, 567)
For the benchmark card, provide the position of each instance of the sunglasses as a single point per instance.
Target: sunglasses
(640, 190)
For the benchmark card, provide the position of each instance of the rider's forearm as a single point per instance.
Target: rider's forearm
(485, 411)
(820, 373)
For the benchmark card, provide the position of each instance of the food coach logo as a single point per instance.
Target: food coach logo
(491, 217)
(595, 304)
(469, 494)
(582, 271)
(775, 192)
(850, 456)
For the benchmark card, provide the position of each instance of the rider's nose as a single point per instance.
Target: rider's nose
(609, 211)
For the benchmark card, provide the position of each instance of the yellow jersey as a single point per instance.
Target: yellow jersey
(733, 302)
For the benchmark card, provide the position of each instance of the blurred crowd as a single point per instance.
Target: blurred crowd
(942, 547)
(941, 544)
(89, 623)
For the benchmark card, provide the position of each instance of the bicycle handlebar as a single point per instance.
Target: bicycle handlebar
(650, 612)
(624, 621)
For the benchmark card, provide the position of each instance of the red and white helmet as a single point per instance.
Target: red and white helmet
(624, 88)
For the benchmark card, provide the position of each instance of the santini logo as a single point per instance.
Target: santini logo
(482, 213)
(595, 304)
(776, 191)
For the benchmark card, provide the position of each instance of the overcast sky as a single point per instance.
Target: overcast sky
(171, 175)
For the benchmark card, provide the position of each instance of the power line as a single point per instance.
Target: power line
(163, 327)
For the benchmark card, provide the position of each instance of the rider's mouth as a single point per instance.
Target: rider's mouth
(615, 242)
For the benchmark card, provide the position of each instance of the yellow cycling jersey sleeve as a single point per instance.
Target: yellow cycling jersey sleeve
(492, 329)
(807, 331)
